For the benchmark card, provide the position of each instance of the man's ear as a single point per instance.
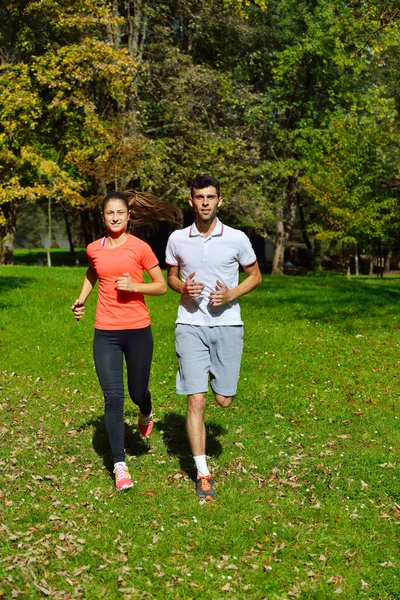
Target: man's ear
(220, 201)
(190, 202)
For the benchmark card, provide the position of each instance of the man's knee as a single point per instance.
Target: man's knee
(196, 403)
(224, 401)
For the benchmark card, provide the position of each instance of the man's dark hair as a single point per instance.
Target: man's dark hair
(204, 181)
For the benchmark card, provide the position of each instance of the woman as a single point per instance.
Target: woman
(122, 326)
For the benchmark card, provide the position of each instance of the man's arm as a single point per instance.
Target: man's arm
(189, 287)
(224, 295)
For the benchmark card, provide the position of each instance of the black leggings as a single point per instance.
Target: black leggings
(109, 347)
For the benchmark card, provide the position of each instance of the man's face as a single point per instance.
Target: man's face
(205, 203)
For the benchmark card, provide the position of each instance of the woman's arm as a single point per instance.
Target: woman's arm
(78, 307)
(157, 287)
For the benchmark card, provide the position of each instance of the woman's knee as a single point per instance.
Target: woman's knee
(113, 402)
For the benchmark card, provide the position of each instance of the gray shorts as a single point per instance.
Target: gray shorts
(204, 352)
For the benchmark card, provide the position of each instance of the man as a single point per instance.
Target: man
(209, 330)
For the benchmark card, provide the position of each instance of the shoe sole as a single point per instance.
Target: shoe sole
(207, 497)
(124, 487)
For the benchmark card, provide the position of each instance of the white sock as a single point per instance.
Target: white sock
(201, 465)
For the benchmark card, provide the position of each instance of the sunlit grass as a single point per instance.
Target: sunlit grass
(305, 461)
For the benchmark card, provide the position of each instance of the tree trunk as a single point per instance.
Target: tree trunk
(69, 234)
(346, 261)
(286, 215)
(356, 261)
(7, 233)
(86, 227)
(303, 225)
(49, 232)
(115, 32)
(137, 29)
(388, 261)
(380, 262)
(317, 256)
(277, 262)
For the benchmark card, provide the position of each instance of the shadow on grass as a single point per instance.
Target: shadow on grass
(134, 444)
(173, 429)
(9, 284)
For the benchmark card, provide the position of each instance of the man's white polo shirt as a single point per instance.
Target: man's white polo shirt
(215, 257)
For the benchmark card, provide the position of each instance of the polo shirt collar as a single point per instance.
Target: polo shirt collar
(218, 230)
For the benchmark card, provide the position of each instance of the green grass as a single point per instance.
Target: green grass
(305, 461)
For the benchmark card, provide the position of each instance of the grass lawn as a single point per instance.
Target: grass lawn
(305, 461)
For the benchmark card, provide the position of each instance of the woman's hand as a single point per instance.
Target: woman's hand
(126, 284)
(78, 308)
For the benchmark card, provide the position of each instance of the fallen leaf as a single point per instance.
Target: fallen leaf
(227, 588)
(80, 570)
(335, 579)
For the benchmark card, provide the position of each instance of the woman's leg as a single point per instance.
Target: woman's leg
(107, 350)
(138, 350)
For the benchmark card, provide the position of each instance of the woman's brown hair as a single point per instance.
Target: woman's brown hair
(146, 209)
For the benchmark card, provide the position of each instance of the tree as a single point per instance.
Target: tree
(309, 60)
(349, 162)
(62, 82)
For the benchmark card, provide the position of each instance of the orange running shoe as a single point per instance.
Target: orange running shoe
(204, 487)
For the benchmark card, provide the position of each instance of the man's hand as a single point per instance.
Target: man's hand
(220, 296)
(126, 284)
(193, 288)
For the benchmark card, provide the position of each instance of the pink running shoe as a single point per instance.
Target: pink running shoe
(145, 424)
(123, 480)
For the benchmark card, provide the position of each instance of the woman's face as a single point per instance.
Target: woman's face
(116, 217)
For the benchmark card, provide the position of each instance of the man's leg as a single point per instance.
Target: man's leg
(192, 350)
(195, 423)
(197, 437)
(225, 353)
(224, 401)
